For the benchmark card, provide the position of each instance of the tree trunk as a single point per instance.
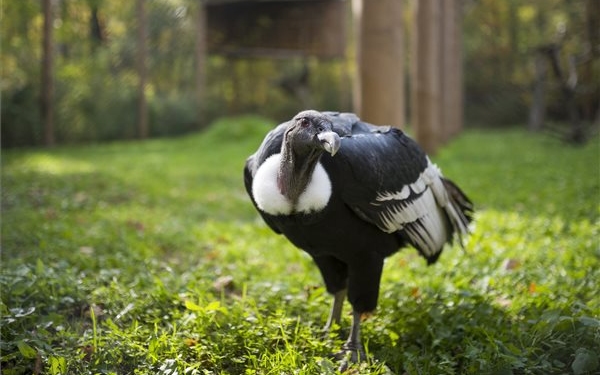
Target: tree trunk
(451, 70)
(459, 98)
(537, 111)
(379, 93)
(200, 63)
(570, 91)
(96, 30)
(425, 97)
(47, 97)
(590, 74)
(513, 35)
(142, 70)
(568, 83)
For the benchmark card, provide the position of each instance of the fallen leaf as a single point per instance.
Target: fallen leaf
(532, 287)
(88, 351)
(86, 250)
(503, 302)
(511, 264)
(415, 292)
(98, 311)
(365, 316)
(225, 284)
(51, 214)
(138, 226)
(80, 197)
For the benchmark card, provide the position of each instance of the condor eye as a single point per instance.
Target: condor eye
(304, 122)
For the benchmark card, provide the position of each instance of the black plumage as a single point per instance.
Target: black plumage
(350, 194)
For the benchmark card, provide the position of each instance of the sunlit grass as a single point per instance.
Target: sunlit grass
(147, 258)
(46, 163)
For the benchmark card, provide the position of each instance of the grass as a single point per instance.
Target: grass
(147, 258)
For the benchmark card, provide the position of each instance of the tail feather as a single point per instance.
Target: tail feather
(460, 209)
(451, 219)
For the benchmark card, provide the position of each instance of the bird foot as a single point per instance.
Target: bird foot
(350, 353)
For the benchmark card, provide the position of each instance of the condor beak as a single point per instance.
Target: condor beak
(330, 141)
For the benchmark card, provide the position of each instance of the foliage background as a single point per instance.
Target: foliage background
(96, 79)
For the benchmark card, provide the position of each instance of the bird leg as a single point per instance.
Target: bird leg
(335, 315)
(352, 350)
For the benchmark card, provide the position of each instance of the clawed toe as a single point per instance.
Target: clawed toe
(348, 355)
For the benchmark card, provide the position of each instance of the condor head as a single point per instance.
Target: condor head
(311, 130)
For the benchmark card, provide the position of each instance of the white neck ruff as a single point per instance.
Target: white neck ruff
(269, 199)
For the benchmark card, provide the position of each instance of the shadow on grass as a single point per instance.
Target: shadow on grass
(466, 334)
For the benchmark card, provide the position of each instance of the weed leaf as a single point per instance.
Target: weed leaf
(26, 350)
(585, 361)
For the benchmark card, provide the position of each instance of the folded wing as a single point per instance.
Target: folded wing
(390, 182)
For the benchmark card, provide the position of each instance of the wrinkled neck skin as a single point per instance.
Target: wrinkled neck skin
(295, 171)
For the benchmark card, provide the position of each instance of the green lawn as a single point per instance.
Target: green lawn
(148, 258)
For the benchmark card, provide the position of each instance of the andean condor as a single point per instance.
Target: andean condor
(350, 194)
